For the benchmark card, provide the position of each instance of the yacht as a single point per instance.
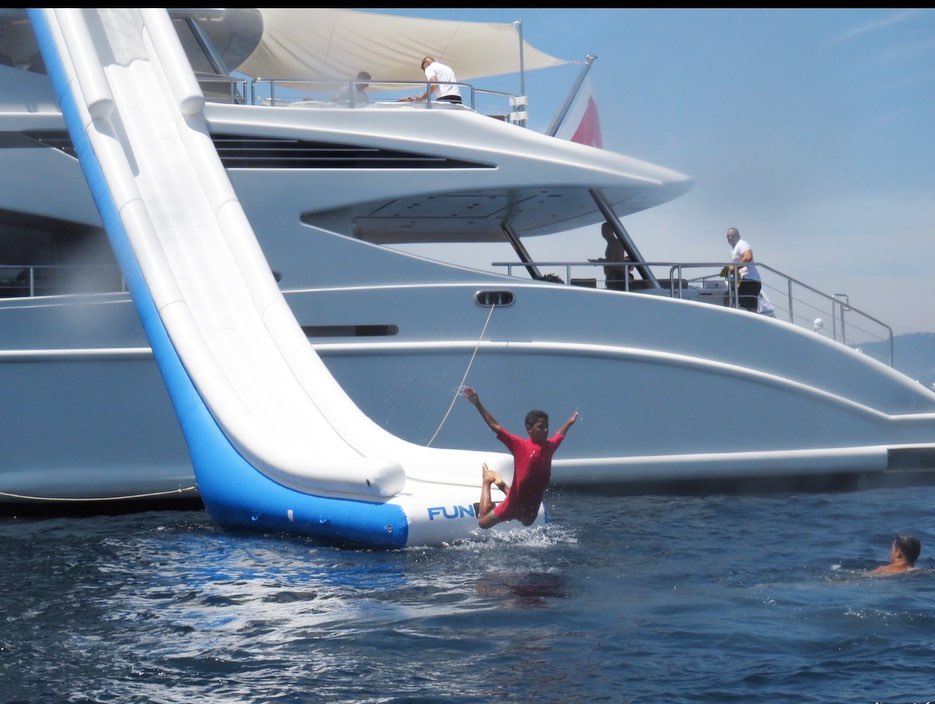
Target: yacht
(364, 212)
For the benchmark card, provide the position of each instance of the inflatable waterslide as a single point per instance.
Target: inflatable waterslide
(276, 444)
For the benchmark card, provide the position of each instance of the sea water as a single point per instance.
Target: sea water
(618, 599)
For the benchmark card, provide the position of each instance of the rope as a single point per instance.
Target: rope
(100, 498)
(463, 378)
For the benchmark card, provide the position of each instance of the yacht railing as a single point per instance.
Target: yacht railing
(286, 91)
(502, 105)
(786, 298)
(18, 281)
(224, 89)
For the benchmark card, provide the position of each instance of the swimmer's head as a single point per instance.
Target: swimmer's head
(909, 546)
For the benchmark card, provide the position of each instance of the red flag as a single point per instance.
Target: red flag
(581, 123)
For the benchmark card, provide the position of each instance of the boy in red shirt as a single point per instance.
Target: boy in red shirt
(532, 467)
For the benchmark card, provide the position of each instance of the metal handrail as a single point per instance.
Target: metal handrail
(306, 86)
(321, 90)
(245, 91)
(838, 303)
(27, 280)
(237, 88)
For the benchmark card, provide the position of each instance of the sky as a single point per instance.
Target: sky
(812, 131)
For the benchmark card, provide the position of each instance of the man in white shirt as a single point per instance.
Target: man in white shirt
(443, 84)
(749, 288)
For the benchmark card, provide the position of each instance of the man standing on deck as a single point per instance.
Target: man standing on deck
(615, 275)
(748, 290)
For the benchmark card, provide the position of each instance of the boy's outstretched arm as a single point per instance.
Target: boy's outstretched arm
(568, 423)
(471, 395)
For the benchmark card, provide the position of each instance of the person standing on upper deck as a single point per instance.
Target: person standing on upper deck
(748, 290)
(443, 84)
(615, 275)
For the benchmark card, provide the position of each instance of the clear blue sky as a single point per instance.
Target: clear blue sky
(809, 130)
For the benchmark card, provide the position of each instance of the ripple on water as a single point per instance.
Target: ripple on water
(618, 599)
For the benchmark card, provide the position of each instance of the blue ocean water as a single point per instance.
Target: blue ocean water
(617, 599)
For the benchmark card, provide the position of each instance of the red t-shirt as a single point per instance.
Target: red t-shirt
(532, 469)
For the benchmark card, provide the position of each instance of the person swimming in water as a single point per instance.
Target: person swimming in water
(903, 555)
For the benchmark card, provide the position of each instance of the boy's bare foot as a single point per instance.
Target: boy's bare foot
(489, 476)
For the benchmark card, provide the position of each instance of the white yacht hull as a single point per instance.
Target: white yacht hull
(86, 413)
(659, 407)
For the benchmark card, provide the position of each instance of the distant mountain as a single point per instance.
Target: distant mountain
(913, 355)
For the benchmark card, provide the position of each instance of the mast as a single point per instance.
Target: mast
(563, 111)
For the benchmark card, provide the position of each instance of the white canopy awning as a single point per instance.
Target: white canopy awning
(320, 44)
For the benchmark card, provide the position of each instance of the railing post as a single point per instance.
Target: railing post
(841, 302)
(733, 290)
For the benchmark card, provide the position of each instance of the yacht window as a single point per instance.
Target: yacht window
(44, 256)
(350, 330)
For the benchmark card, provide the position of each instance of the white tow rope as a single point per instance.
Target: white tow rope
(463, 378)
